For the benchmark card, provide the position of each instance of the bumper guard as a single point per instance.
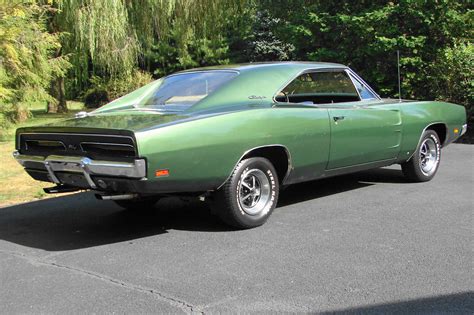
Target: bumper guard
(86, 166)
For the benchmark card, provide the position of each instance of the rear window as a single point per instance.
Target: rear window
(181, 91)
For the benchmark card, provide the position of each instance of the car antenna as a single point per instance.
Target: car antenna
(399, 85)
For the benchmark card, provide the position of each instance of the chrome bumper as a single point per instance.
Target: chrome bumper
(463, 130)
(86, 166)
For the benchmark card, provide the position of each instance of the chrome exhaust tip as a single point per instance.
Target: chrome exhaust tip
(116, 197)
(60, 189)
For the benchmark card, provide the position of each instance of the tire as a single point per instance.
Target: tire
(249, 196)
(424, 163)
(141, 203)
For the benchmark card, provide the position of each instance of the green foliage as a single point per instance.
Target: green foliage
(263, 44)
(453, 76)
(165, 57)
(110, 38)
(366, 35)
(27, 59)
(192, 34)
(114, 46)
(99, 35)
(103, 90)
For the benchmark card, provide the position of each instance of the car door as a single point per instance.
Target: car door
(363, 128)
(363, 131)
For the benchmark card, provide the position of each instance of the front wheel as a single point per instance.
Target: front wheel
(424, 163)
(249, 196)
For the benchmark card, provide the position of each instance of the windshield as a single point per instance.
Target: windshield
(181, 91)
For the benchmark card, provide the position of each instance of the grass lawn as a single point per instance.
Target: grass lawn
(15, 185)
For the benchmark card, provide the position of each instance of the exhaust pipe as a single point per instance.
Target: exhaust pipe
(116, 197)
(60, 189)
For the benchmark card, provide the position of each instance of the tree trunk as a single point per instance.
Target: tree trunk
(52, 105)
(62, 105)
(59, 105)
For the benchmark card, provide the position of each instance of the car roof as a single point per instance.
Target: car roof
(256, 82)
(293, 65)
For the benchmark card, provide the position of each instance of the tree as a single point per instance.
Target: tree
(111, 38)
(27, 58)
(263, 44)
(366, 35)
(452, 76)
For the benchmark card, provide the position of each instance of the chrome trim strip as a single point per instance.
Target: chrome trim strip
(200, 71)
(74, 134)
(356, 168)
(360, 165)
(68, 133)
(52, 176)
(108, 143)
(288, 154)
(358, 78)
(352, 78)
(81, 114)
(86, 166)
(87, 172)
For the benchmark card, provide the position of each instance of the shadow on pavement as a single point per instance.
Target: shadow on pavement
(80, 221)
(459, 303)
(329, 186)
(382, 175)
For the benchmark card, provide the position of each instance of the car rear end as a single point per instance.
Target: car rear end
(81, 158)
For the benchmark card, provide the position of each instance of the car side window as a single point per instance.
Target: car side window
(364, 92)
(319, 87)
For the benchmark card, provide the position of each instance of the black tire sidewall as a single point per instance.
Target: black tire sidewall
(241, 218)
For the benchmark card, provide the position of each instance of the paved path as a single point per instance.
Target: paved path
(361, 243)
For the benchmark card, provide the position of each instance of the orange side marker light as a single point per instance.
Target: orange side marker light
(456, 131)
(161, 173)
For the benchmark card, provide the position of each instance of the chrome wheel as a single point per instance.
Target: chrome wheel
(254, 191)
(249, 196)
(428, 156)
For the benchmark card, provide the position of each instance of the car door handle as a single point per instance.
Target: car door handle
(337, 118)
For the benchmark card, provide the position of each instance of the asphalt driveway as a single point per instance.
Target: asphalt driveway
(367, 242)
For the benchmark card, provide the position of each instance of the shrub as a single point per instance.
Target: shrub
(103, 90)
(453, 76)
(96, 97)
(11, 114)
(28, 60)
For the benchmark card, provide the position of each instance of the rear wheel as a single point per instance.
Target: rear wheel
(140, 203)
(424, 163)
(249, 196)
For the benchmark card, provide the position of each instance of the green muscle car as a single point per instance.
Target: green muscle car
(233, 135)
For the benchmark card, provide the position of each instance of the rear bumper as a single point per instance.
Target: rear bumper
(84, 166)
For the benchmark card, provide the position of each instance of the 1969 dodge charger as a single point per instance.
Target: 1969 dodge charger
(233, 135)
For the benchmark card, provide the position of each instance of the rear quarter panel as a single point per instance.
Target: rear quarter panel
(201, 154)
(416, 116)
